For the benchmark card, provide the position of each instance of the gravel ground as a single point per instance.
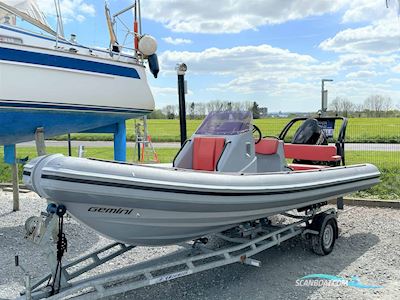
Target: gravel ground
(368, 247)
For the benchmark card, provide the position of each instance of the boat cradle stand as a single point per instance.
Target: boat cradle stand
(249, 239)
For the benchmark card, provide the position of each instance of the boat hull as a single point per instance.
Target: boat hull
(142, 205)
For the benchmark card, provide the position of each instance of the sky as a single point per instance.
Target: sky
(274, 52)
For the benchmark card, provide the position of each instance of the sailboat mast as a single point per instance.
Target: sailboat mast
(138, 7)
(60, 25)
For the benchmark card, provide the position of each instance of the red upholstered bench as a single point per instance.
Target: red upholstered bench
(312, 152)
(206, 152)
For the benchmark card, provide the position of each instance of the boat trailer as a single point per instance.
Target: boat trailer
(246, 240)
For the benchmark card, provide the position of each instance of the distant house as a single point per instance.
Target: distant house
(263, 112)
(279, 114)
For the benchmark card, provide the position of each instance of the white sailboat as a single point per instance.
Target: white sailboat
(49, 81)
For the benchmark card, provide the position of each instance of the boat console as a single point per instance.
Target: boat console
(224, 143)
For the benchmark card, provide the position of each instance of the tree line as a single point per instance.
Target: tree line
(198, 110)
(375, 106)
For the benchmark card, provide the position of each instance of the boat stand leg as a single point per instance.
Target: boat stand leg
(39, 140)
(120, 142)
(15, 182)
(10, 157)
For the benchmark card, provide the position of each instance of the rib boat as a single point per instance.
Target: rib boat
(50, 81)
(221, 177)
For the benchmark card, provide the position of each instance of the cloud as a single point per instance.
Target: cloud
(236, 60)
(271, 75)
(71, 10)
(167, 91)
(365, 11)
(394, 81)
(87, 9)
(252, 69)
(358, 90)
(362, 74)
(366, 61)
(380, 37)
(396, 69)
(157, 90)
(209, 16)
(176, 41)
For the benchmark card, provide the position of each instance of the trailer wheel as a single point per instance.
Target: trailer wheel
(324, 241)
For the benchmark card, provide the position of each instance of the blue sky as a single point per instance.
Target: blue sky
(272, 51)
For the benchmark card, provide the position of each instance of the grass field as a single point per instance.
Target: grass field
(359, 130)
(388, 163)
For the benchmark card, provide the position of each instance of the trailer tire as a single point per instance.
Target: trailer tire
(323, 242)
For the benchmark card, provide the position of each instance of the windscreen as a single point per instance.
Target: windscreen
(226, 123)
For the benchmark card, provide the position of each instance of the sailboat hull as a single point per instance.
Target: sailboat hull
(71, 88)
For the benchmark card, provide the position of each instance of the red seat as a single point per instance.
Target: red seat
(206, 152)
(267, 146)
(311, 152)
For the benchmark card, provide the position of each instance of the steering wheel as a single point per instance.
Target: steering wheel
(271, 137)
(256, 129)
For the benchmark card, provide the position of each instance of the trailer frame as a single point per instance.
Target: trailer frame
(248, 239)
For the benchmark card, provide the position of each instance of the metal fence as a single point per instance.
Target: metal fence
(377, 143)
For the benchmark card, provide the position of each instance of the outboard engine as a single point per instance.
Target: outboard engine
(310, 133)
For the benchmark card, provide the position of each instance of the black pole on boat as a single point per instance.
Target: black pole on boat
(181, 70)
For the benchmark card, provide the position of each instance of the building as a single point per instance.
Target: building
(263, 112)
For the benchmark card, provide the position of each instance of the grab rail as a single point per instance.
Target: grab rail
(179, 152)
(223, 150)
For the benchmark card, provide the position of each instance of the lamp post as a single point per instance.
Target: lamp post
(324, 97)
(181, 70)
